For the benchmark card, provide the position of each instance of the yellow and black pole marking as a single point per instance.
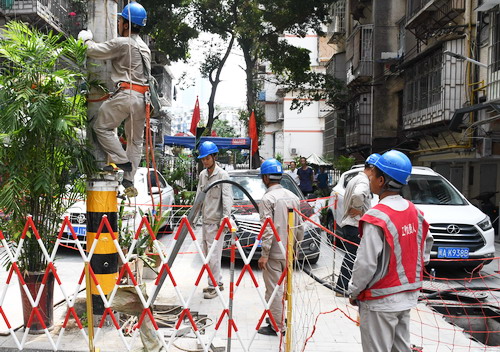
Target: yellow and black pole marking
(101, 200)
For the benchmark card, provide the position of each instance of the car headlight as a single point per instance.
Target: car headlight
(485, 224)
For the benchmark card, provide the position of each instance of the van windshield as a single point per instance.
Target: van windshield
(426, 189)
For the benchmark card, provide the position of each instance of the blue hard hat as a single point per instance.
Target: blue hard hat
(138, 14)
(372, 159)
(271, 166)
(396, 165)
(207, 148)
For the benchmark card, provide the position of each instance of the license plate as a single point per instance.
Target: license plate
(79, 231)
(453, 252)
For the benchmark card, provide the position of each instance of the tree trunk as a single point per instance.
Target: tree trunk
(250, 61)
(215, 82)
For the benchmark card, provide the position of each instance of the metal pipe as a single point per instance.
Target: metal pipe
(461, 57)
(289, 278)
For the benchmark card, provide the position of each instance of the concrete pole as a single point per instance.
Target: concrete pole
(102, 21)
(101, 189)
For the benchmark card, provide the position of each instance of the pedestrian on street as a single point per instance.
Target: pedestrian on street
(275, 204)
(357, 200)
(130, 70)
(292, 171)
(322, 180)
(388, 271)
(217, 205)
(306, 177)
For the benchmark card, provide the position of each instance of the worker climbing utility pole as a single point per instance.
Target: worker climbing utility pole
(102, 23)
(101, 189)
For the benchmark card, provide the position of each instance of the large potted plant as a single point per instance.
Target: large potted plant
(43, 155)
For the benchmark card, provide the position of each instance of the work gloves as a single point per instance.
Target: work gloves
(85, 35)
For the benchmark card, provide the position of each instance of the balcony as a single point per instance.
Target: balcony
(359, 55)
(64, 16)
(434, 88)
(357, 127)
(336, 29)
(434, 18)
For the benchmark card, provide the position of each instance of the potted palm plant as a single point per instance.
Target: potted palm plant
(43, 155)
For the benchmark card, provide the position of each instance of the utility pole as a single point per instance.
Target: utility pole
(101, 189)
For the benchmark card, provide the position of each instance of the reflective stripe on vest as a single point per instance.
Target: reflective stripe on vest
(396, 266)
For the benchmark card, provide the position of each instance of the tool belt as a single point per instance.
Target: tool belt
(136, 87)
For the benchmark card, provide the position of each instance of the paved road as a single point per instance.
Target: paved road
(334, 331)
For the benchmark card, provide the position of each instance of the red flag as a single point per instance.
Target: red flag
(196, 117)
(253, 134)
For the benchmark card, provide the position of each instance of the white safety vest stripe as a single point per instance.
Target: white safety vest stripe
(397, 247)
(405, 285)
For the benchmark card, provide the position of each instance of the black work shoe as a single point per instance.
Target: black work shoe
(126, 183)
(115, 167)
(268, 321)
(267, 330)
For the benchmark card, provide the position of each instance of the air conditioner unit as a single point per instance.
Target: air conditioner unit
(280, 116)
(293, 151)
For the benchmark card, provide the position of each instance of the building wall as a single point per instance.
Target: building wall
(385, 97)
(291, 133)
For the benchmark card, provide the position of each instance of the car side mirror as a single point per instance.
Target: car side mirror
(155, 190)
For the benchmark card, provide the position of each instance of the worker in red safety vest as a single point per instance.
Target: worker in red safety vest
(130, 70)
(388, 271)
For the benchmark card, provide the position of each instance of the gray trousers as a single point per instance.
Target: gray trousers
(209, 231)
(275, 268)
(384, 331)
(129, 106)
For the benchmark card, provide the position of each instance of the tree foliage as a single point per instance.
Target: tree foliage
(42, 115)
(168, 24)
(257, 27)
(224, 129)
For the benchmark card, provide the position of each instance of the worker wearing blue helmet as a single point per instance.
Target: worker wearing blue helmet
(388, 271)
(357, 200)
(217, 205)
(275, 204)
(130, 70)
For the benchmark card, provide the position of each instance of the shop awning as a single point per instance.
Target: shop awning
(220, 142)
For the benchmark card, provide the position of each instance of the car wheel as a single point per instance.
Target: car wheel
(313, 260)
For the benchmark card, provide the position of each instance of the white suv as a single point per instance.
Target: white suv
(131, 215)
(460, 230)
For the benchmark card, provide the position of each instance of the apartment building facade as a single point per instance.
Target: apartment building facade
(292, 133)
(424, 77)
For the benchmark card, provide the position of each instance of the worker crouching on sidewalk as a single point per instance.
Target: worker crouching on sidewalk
(388, 271)
(131, 66)
(276, 203)
(217, 205)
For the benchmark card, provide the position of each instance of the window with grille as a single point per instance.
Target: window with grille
(338, 18)
(423, 83)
